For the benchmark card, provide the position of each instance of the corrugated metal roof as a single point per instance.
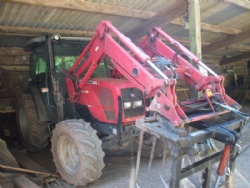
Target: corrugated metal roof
(53, 18)
(218, 13)
(224, 15)
(184, 33)
(241, 22)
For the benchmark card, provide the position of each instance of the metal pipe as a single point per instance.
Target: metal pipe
(28, 171)
(139, 155)
(217, 181)
(152, 153)
(207, 68)
(185, 50)
(152, 65)
(164, 153)
(224, 159)
(76, 38)
(237, 112)
(223, 163)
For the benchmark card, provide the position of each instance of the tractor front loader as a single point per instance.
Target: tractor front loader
(196, 127)
(93, 105)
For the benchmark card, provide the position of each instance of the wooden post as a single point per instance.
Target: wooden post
(194, 27)
(195, 34)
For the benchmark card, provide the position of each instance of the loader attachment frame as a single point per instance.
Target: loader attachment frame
(179, 141)
(227, 133)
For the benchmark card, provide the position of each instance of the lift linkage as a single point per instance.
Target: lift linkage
(179, 141)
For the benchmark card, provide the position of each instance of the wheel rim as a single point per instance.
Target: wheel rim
(23, 123)
(67, 154)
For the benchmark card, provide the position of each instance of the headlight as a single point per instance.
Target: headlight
(127, 105)
(137, 103)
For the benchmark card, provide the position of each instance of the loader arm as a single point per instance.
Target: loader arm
(133, 64)
(214, 99)
(211, 86)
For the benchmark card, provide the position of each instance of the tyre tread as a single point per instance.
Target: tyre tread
(92, 154)
(38, 131)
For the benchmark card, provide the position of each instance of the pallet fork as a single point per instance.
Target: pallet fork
(227, 133)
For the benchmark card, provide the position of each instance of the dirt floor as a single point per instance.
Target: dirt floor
(120, 170)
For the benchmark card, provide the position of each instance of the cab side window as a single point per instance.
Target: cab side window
(38, 68)
(40, 65)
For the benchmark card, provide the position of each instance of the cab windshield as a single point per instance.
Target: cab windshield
(65, 55)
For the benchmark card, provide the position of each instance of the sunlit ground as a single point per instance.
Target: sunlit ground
(120, 172)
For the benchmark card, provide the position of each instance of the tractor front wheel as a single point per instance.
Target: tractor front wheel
(77, 152)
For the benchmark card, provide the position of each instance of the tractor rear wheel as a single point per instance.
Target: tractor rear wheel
(33, 133)
(77, 152)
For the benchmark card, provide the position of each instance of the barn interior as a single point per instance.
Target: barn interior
(217, 31)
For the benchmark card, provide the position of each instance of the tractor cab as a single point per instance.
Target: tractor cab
(107, 100)
(48, 56)
(47, 60)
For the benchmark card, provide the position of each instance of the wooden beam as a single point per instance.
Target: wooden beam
(194, 27)
(42, 31)
(239, 57)
(175, 10)
(20, 34)
(32, 32)
(241, 3)
(240, 48)
(88, 6)
(10, 51)
(209, 27)
(215, 58)
(229, 40)
(16, 68)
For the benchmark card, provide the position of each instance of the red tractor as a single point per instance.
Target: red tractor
(91, 104)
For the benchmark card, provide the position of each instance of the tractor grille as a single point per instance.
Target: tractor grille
(130, 95)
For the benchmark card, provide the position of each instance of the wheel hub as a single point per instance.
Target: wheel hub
(68, 154)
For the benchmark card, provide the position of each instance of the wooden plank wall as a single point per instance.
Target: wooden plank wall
(16, 62)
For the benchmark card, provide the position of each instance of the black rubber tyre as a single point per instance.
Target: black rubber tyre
(6, 158)
(77, 152)
(33, 133)
(147, 146)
